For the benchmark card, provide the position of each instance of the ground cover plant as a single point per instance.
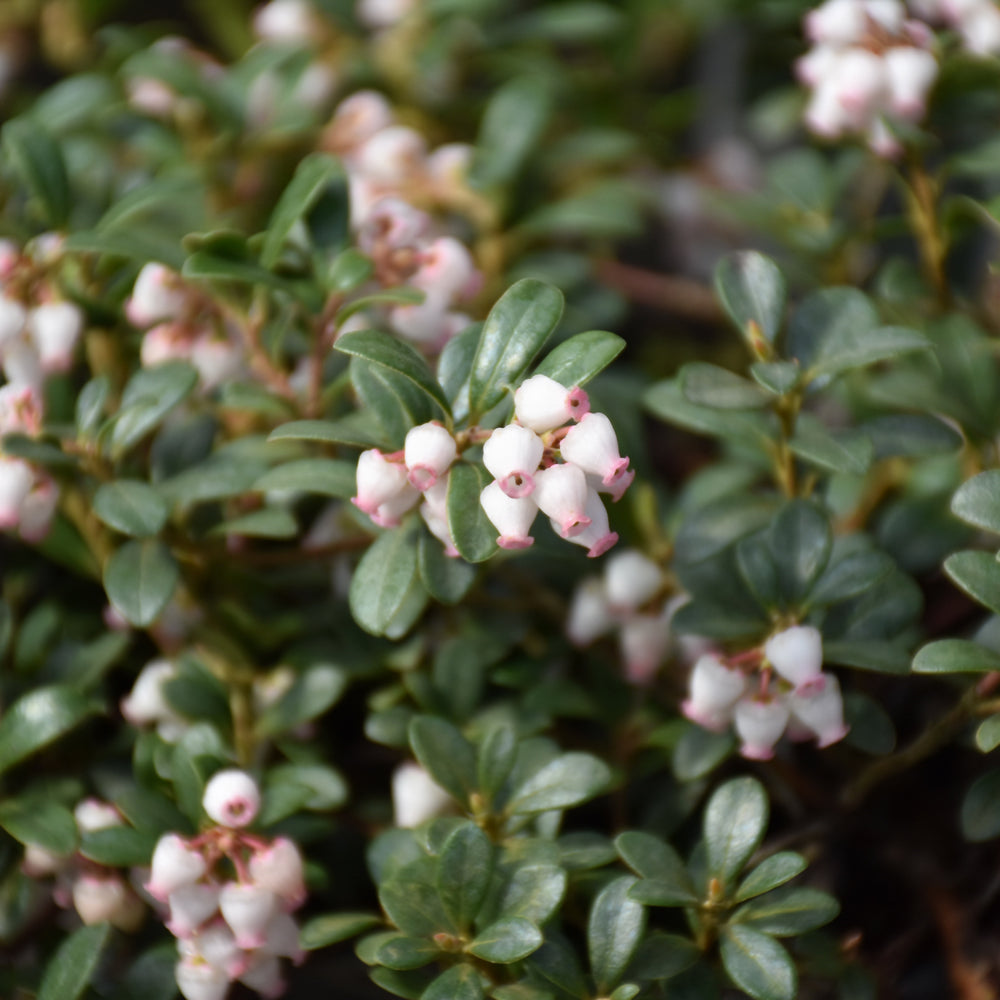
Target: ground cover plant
(499, 500)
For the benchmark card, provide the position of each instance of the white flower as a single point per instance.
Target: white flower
(379, 480)
(199, 980)
(247, 909)
(392, 155)
(157, 295)
(910, 73)
(821, 710)
(645, 640)
(631, 580)
(263, 976)
(590, 613)
(93, 814)
(713, 690)
(38, 510)
(447, 269)
(231, 798)
(561, 493)
(282, 938)
(416, 796)
(596, 536)
(796, 654)
(16, 481)
(428, 452)
(174, 865)
(279, 869)
(512, 455)
(146, 704)
(190, 907)
(543, 404)
(286, 21)
(55, 328)
(759, 723)
(511, 516)
(97, 899)
(593, 445)
(13, 317)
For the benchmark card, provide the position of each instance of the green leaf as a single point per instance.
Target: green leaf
(699, 751)
(325, 476)
(140, 578)
(752, 290)
(801, 540)
(268, 522)
(579, 358)
(555, 965)
(473, 533)
(447, 580)
(189, 772)
(848, 575)
(497, 751)
(332, 431)
(511, 125)
(396, 403)
(663, 956)
(788, 911)
(665, 879)
(38, 718)
(988, 734)
(825, 319)
(507, 940)
(348, 270)
(980, 814)
(566, 781)
(514, 332)
(758, 964)
(382, 349)
(460, 982)
(90, 404)
(34, 819)
(911, 435)
(314, 692)
(769, 874)
(383, 578)
(614, 930)
(978, 574)
(131, 507)
(778, 377)
(846, 451)
(414, 907)
(70, 969)
(734, 825)
(404, 952)
(118, 846)
(977, 501)
(871, 729)
(151, 393)
(533, 892)
(310, 180)
(330, 928)
(38, 160)
(465, 866)
(709, 385)
(446, 754)
(868, 654)
(954, 656)
(400, 295)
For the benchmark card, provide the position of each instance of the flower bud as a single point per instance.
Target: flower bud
(596, 537)
(247, 909)
(428, 452)
(215, 944)
(174, 865)
(821, 710)
(231, 798)
(379, 480)
(416, 796)
(593, 446)
(93, 814)
(97, 899)
(279, 869)
(436, 519)
(190, 906)
(836, 22)
(631, 580)
(911, 73)
(543, 404)
(285, 22)
(146, 703)
(357, 119)
(388, 514)
(561, 493)
(759, 723)
(796, 654)
(511, 516)
(198, 980)
(645, 640)
(590, 613)
(55, 328)
(713, 690)
(217, 359)
(157, 295)
(448, 270)
(512, 455)
(21, 364)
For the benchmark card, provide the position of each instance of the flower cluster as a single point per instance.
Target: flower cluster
(230, 895)
(765, 693)
(977, 22)
(97, 893)
(389, 485)
(524, 460)
(182, 324)
(868, 65)
(628, 598)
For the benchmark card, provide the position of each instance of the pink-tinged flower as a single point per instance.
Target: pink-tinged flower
(631, 580)
(279, 869)
(590, 613)
(379, 480)
(596, 537)
(247, 909)
(287, 22)
(561, 493)
(511, 516)
(190, 907)
(448, 270)
(231, 798)
(821, 710)
(425, 323)
(21, 364)
(910, 72)
(816, 65)
(393, 223)
(217, 359)
(713, 691)
(93, 814)
(283, 939)
(170, 341)
(157, 295)
(389, 513)
(449, 164)
(428, 452)
(542, 404)
(199, 980)
(796, 654)
(836, 22)
(436, 519)
(216, 944)
(512, 455)
(263, 976)
(40, 861)
(416, 796)
(38, 510)
(759, 724)
(55, 328)
(356, 119)
(593, 446)
(16, 481)
(99, 898)
(645, 639)
(174, 866)
(146, 704)
(392, 155)
(20, 410)
(13, 317)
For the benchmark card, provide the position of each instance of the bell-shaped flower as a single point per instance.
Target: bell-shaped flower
(16, 481)
(93, 814)
(392, 223)
(425, 323)
(760, 722)
(416, 796)
(796, 654)
(512, 455)
(388, 514)
(542, 404)
(511, 516)
(21, 363)
(217, 359)
(447, 269)
(216, 944)
(449, 164)
(278, 867)
(55, 328)
(146, 704)
(287, 22)
(631, 580)
(13, 317)
(561, 493)
(282, 939)
(428, 452)
(713, 691)
(99, 898)
(590, 612)
(596, 536)
(231, 798)
(263, 976)
(437, 524)
(247, 909)
(174, 865)
(910, 73)
(392, 155)
(821, 710)
(200, 980)
(836, 22)
(157, 295)
(190, 907)
(38, 861)
(645, 639)
(593, 445)
(356, 119)
(38, 510)
(379, 480)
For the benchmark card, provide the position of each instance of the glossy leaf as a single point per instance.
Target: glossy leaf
(149, 396)
(383, 578)
(978, 574)
(769, 874)
(977, 501)
(33, 819)
(801, 540)
(322, 931)
(37, 158)
(118, 846)
(447, 579)
(140, 578)
(446, 754)
(579, 358)
(131, 507)
(709, 385)
(509, 939)
(324, 476)
(312, 693)
(663, 956)
(268, 522)
(980, 814)
(404, 952)
(464, 869)
(665, 879)
(473, 533)
(788, 911)
(38, 718)
(952, 656)
(71, 967)
(758, 964)
(566, 781)
(460, 982)
(614, 930)
(752, 290)
(734, 825)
